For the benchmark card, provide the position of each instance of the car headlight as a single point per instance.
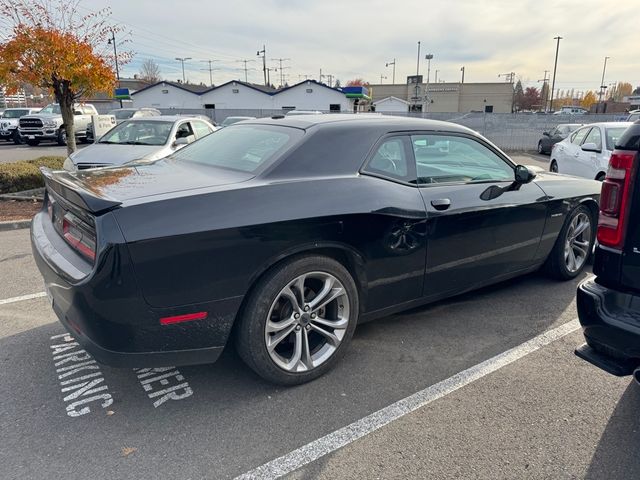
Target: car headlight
(69, 165)
(50, 123)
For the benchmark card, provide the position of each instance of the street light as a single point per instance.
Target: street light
(428, 57)
(112, 40)
(182, 60)
(602, 85)
(394, 69)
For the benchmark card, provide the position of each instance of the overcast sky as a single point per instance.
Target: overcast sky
(355, 38)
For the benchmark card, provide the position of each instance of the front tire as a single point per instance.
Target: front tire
(298, 320)
(17, 139)
(540, 149)
(573, 246)
(62, 137)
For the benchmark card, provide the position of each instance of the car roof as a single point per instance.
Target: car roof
(389, 122)
(163, 118)
(608, 124)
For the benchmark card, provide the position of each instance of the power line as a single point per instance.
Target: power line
(245, 68)
(211, 69)
(280, 60)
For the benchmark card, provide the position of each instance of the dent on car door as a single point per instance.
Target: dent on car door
(396, 256)
(473, 234)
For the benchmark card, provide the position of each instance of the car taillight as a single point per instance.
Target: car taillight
(615, 199)
(78, 236)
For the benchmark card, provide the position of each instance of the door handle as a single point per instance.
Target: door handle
(441, 203)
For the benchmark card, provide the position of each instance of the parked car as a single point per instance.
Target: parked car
(586, 152)
(9, 123)
(609, 303)
(571, 111)
(555, 135)
(633, 116)
(290, 231)
(146, 138)
(122, 114)
(231, 120)
(47, 124)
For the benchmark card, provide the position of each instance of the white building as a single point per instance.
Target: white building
(237, 95)
(391, 104)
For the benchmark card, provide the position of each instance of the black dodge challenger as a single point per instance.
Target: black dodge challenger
(283, 233)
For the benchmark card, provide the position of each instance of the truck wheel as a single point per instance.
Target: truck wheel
(17, 139)
(62, 137)
(33, 143)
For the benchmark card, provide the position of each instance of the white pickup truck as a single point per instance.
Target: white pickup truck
(48, 124)
(9, 123)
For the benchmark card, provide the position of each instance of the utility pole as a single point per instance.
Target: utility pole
(394, 70)
(462, 70)
(330, 77)
(555, 66)
(320, 77)
(263, 54)
(211, 69)
(436, 80)
(545, 87)
(382, 77)
(281, 68)
(182, 60)
(115, 56)
(602, 85)
(306, 77)
(509, 77)
(246, 76)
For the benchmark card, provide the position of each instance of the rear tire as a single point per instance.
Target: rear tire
(540, 149)
(572, 251)
(554, 166)
(278, 334)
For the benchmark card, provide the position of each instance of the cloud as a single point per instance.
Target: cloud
(356, 38)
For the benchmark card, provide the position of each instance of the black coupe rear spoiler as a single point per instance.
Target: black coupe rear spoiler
(71, 190)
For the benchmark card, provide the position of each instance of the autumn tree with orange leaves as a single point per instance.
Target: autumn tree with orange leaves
(52, 46)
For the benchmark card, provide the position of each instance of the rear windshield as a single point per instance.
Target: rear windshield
(613, 135)
(247, 148)
(122, 114)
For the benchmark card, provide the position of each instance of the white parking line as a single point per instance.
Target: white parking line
(22, 298)
(358, 429)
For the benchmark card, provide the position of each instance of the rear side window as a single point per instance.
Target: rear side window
(390, 160)
(202, 129)
(613, 136)
(247, 148)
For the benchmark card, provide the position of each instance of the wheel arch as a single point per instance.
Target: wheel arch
(594, 208)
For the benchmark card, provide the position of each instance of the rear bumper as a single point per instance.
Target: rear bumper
(103, 310)
(610, 322)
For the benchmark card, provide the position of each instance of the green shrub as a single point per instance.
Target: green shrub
(25, 175)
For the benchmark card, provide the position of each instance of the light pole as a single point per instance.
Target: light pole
(112, 40)
(394, 70)
(182, 60)
(602, 85)
(417, 75)
(545, 89)
(382, 77)
(263, 54)
(555, 66)
(462, 70)
(428, 57)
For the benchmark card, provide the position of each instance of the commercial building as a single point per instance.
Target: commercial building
(238, 95)
(446, 97)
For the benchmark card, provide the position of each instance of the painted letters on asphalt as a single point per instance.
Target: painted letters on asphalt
(81, 380)
(170, 378)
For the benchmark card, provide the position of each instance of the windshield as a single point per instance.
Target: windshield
(14, 113)
(51, 109)
(241, 147)
(122, 114)
(613, 134)
(139, 133)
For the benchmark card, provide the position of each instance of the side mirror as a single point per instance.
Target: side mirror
(590, 147)
(523, 175)
(181, 142)
(77, 112)
(546, 134)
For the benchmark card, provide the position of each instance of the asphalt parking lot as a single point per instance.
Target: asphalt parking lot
(465, 408)
(9, 152)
